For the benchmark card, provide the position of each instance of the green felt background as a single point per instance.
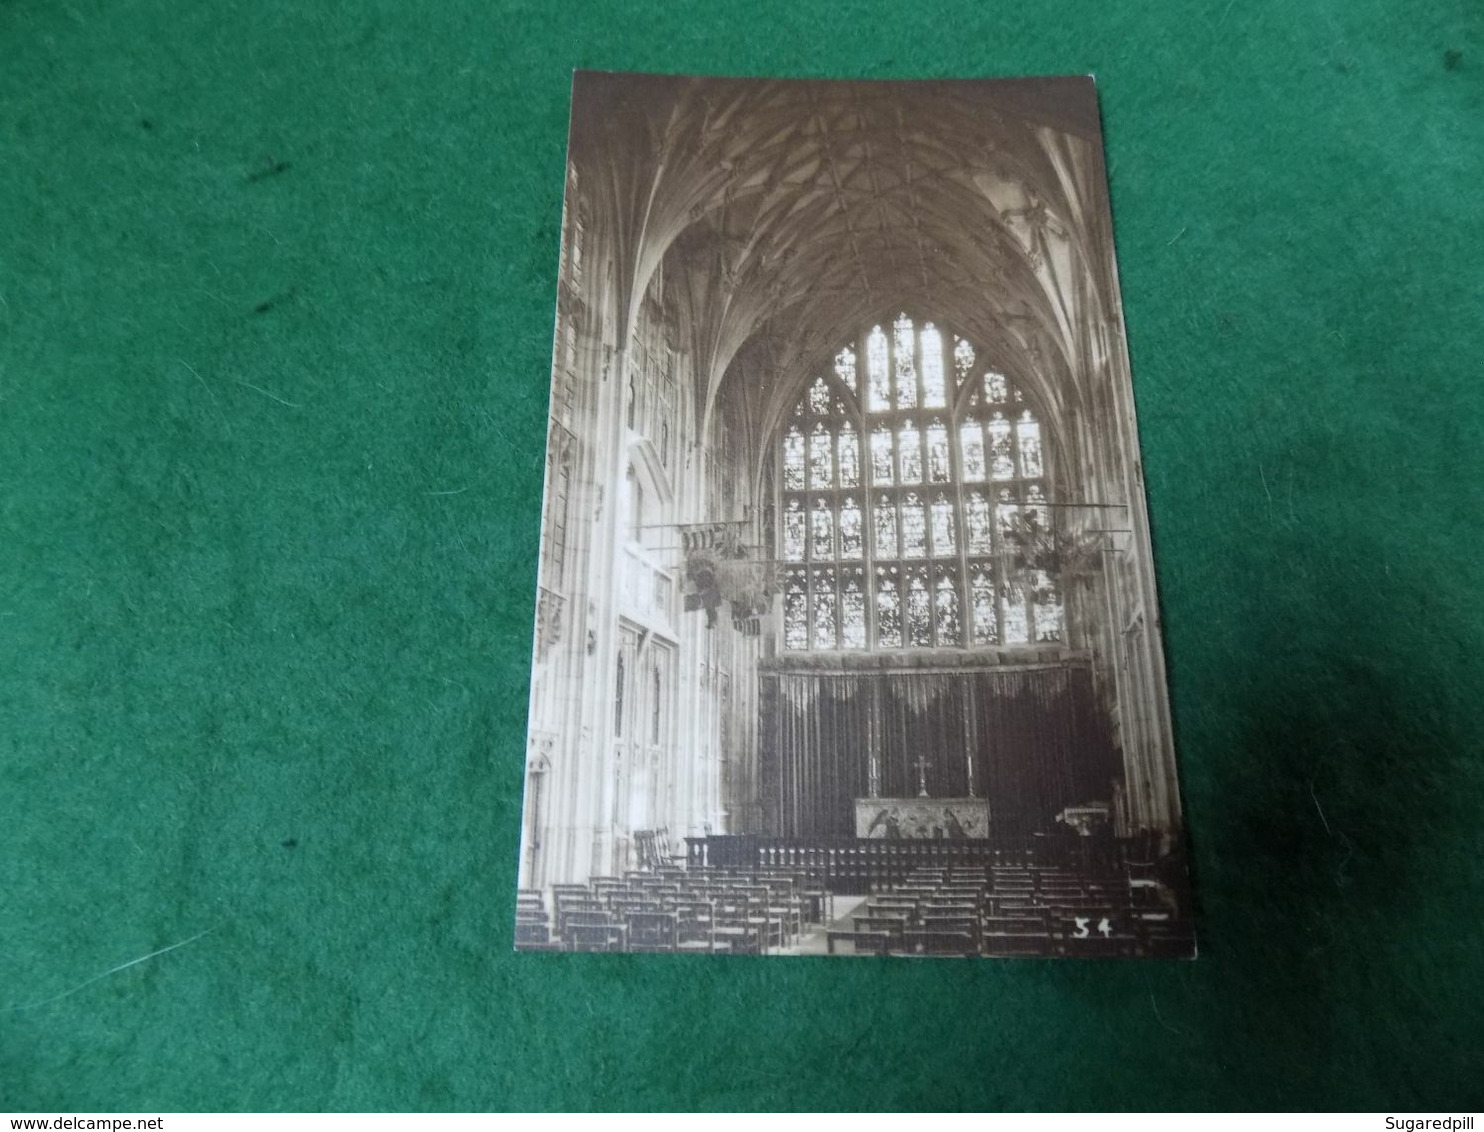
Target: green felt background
(276, 288)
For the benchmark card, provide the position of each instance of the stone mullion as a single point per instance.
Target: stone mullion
(1020, 489)
(917, 377)
(996, 536)
(868, 487)
(960, 507)
(832, 428)
(856, 417)
(892, 400)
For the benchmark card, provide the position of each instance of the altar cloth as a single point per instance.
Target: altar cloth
(947, 819)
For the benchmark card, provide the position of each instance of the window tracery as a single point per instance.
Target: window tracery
(914, 509)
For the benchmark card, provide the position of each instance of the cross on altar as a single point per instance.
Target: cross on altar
(921, 763)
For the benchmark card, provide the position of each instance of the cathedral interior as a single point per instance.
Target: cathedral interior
(845, 590)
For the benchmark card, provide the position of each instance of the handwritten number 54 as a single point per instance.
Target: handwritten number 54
(1105, 929)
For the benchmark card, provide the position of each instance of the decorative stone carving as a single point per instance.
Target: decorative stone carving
(549, 606)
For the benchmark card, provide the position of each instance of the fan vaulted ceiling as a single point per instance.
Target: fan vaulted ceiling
(786, 214)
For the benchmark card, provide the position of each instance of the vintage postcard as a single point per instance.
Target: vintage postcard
(847, 639)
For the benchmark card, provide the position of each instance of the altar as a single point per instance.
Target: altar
(941, 819)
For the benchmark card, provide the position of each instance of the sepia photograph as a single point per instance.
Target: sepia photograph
(847, 636)
(495, 500)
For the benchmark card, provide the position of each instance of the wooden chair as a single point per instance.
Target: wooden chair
(531, 934)
(955, 925)
(592, 931)
(939, 906)
(575, 910)
(896, 903)
(1023, 934)
(780, 912)
(695, 926)
(894, 927)
(740, 928)
(651, 931)
(924, 942)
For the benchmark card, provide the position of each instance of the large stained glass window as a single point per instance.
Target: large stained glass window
(914, 506)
